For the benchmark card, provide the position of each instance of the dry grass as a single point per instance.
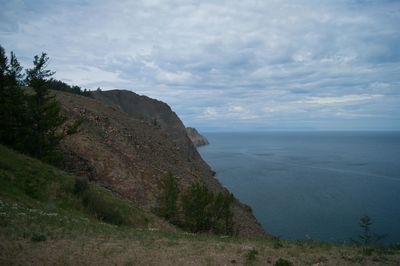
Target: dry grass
(160, 250)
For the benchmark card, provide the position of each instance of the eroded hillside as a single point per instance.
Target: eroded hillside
(129, 152)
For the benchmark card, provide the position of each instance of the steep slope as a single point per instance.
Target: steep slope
(51, 193)
(196, 138)
(130, 155)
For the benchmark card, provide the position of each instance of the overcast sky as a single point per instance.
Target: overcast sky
(226, 65)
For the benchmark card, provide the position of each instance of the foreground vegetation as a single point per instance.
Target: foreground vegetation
(48, 217)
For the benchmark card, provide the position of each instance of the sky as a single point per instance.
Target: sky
(226, 65)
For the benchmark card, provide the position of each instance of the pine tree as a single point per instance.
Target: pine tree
(13, 103)
(205, 211)
(15, 70)
(45, 111)
(365, 224)
(3, 65)
(196, 204)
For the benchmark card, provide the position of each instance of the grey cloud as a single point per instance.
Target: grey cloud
(245, 64)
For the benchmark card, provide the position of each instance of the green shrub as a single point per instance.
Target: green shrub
(250, 256)
(38, 237)
(99, 206)
(72, 129)
(221, 214)
(283, 262)
(34, 187)
(168, 205)
(81, 185)
(277, 243)
(111, 209)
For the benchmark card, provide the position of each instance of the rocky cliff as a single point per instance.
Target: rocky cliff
(128, 142)
(149, 110)
(196, 137)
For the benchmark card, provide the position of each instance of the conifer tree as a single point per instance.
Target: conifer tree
(13, 103)
(45, 111)
(3, 64)
(15, 70)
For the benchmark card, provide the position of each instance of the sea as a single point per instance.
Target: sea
(313, 185)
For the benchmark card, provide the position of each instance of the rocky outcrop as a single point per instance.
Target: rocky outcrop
(128, 143)
(196, 137)
(152, 111)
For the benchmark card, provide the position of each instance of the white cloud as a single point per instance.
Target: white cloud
(210, 113)
(236, 109)
(345, 99)
(89, 74)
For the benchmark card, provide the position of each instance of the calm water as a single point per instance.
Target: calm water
(312, 185)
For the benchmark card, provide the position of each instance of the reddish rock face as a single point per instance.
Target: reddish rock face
(120, 146)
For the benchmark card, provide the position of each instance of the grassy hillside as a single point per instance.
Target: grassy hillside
(52, 198)
(49, 218)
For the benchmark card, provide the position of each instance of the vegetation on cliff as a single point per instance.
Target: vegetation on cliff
(199, 210)
(58, 85)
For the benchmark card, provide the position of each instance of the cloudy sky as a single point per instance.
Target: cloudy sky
(226, 65)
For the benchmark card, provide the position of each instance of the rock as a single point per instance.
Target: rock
(196, 137)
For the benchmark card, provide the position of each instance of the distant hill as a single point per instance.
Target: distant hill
(127, 143)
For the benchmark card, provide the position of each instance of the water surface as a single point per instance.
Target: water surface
(313, 184)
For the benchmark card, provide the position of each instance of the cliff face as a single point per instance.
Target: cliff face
(152, 111)
(196, 137)
(128, 142)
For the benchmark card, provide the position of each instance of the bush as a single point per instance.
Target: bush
(251, 256)
(168, 206)
(38, 237)
(277, 244)
(72, 129)
(81, 185)
(221, 214)
(101, 208)
(111, 209)
(283, 262)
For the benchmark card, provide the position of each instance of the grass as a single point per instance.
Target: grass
(45, 220)
(44, 192)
